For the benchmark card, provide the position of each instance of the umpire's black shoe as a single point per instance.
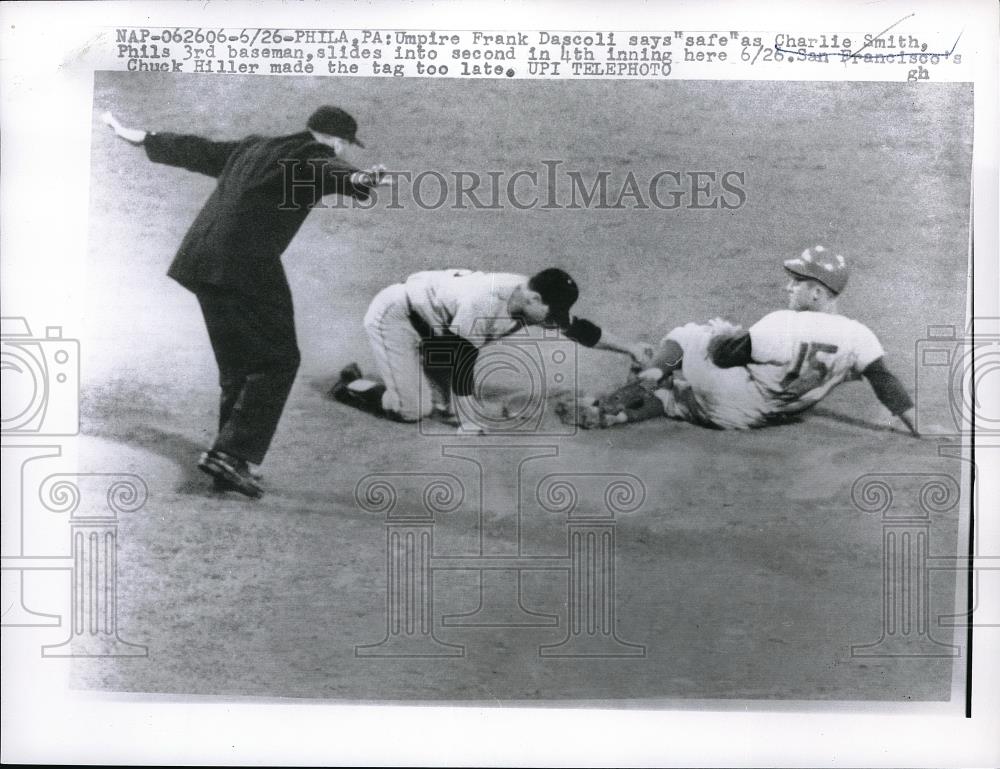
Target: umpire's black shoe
(231, 472)
(218, 484)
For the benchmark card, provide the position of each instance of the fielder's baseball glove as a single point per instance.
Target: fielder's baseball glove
(631, 395)
(568, 408)
(582, 412)
(591, 413)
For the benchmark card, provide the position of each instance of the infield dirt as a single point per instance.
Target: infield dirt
(747, 573)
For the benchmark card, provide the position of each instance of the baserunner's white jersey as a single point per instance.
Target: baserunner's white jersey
(470, 304)
(798, 357)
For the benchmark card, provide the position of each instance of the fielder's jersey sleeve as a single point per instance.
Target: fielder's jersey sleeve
(888, 389)
(194, 153)
(582, 331)
(731, 351)
(798, 357)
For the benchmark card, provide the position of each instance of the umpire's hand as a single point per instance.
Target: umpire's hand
(131, 135)
(370, 177)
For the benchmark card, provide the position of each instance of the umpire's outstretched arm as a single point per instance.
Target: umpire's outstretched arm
(194, 153)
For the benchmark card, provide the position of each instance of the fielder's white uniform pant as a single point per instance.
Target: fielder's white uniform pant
(396, 345)
(706, 394)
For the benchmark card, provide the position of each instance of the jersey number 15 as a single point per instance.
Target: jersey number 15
(808, 372)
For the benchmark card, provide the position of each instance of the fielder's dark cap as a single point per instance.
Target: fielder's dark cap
(333, 121)
(558, 290)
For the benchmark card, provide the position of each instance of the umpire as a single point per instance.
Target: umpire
(231, 260)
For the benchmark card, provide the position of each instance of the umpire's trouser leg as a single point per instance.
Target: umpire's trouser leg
(258, 357)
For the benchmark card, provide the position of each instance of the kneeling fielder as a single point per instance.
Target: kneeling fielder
(449, 315)
(719, 375)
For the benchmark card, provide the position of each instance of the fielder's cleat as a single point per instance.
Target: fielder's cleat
(358, 392)
(230, 473)
(339, 392)
(350, 372)
(444, 412)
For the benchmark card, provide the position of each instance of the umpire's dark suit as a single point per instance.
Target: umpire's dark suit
(231, 259)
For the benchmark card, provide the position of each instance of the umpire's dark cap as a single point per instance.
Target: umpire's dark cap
(333, 121)
(559, 291)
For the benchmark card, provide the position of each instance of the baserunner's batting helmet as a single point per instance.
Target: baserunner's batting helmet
(822, 265)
